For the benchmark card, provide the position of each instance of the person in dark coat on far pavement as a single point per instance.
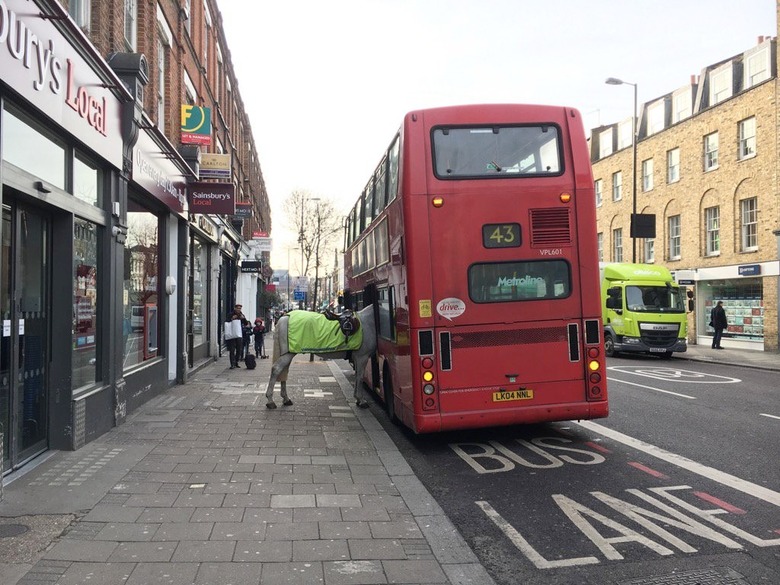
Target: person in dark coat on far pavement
(719, 322)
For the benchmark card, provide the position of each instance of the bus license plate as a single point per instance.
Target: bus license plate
(506, 395)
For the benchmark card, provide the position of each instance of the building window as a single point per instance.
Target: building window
(757, 68)
(131, 24)
(674, 237)
(720, 85)
(80, 11)
(712, 231)
(711, 151)
(647, 175)
(600, 244)
(655, 117)
(85, 329)
(599, 188)
(161, 52)
(673, 165)
(605, 143)
(206, 35)
(648, 250)
(187, 11)
(681, 105)
(141, 331)
(747, 138)
(749, 219)
(625, 133)
(617, 245)
(617, 186)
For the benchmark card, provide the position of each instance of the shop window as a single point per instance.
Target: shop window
(28, 148)
(85, 304)
(141, 285)
(86, 181)
(199, 291)
(743, 302)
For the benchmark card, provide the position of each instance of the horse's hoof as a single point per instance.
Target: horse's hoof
(362, 404)
(271, 405)
(287, 402)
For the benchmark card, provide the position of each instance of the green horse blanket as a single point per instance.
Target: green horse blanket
(309, 332)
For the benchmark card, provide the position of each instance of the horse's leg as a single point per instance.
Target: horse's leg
(360, 366)
(279, 371)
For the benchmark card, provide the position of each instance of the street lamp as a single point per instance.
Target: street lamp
(634, 137)
(288, 277)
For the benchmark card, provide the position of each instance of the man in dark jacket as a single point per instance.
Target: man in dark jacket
(719, 322)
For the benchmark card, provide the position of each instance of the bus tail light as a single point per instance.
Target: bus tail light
(427, 362)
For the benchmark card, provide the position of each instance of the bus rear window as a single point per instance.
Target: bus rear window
(519, 281)
(496, 152)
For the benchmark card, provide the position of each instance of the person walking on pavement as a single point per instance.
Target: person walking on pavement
(259, 333)
(235, 345)
(719, 322)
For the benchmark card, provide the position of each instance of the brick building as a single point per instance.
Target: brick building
(127, 226)
(707, 170)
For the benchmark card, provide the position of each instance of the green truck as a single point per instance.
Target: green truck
(643, 310)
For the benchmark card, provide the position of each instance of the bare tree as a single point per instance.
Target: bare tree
(317, 224)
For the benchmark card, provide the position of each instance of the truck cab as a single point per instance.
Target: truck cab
(643, 310)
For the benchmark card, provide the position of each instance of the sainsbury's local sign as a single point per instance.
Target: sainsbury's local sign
(42, 65)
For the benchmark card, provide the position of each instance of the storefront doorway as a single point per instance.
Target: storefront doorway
(24, 351)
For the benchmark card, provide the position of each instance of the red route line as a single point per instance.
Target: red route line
(719, 503)
(597, 447)
(647, 470)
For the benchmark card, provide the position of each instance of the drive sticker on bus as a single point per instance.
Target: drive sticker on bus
(450, 307)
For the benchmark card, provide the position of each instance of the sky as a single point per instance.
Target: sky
(326, 83)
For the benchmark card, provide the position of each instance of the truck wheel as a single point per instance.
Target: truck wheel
(609, 346)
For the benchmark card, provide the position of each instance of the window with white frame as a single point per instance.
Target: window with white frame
(673, 165)
(747, 138)
(647, 175)
(749, 220)
(600, 245)
(605, 143)
(648, 250)
(757, 67)
(206, 34)
(674, 237)
(712, 231)
(682, 105)
(625, 134)
(599, 189)
(131, 24)
(161, 50)
(711, 151)
(655, 117)
(81, 11)
(617, 245)
(720, 85)
(187, 12)
(617, 186)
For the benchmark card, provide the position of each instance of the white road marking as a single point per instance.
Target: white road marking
(757, 491)
(525, 547)
(769, 415)
(676, 374)
(653, 388)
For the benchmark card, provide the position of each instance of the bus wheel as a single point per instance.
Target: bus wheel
(387, 395)
(609, 346)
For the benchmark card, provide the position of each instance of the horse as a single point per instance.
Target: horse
(282, 357)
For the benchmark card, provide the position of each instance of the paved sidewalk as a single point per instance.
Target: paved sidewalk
(760, 360)
(204, 485)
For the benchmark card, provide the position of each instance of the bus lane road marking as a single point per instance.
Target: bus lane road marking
(769, 415)
(721, 477)
(674, 374)
(652, 388)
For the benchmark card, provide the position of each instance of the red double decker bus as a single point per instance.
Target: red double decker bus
(475, 238)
